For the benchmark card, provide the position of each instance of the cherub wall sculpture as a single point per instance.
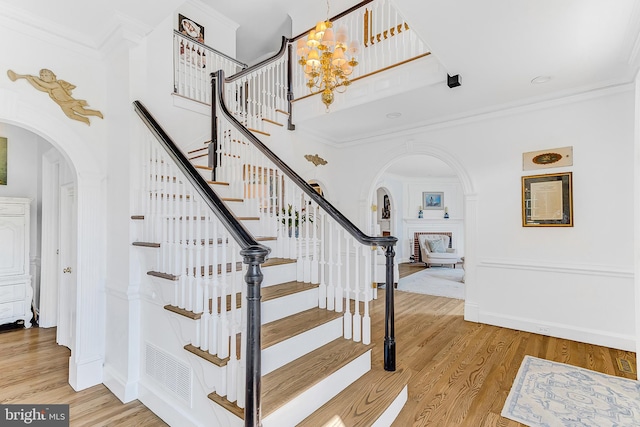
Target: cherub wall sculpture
(60, 92)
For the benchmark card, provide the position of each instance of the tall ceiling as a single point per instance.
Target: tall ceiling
(498, 47)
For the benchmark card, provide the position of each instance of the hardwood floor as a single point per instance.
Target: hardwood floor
(35, 370)
(461, 372)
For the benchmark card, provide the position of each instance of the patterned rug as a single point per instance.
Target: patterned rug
(438, 281)
(550, 394)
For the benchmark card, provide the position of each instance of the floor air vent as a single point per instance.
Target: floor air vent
(172, 373)
(625, 366)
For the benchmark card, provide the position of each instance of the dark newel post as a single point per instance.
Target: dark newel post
(290, 125)
(253, 256)
(213, 147)
(389, 314)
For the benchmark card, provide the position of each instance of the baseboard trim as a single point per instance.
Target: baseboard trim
(85, 374)
(125, 391)
(166, 408)
(590, 336)
(471, 312)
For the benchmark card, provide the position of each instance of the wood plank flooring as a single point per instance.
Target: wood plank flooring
(461, 372)
(35, 370)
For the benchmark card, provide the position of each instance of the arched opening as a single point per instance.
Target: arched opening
(85, 219)
(410, 176)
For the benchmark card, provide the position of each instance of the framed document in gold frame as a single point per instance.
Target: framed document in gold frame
(547, 200)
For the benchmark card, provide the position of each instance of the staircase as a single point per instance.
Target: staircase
(314, 363)
(261, 289)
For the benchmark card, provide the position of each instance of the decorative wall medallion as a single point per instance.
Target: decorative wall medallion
(551, 158)
(315, 159)
(547, 158)
(60, 92)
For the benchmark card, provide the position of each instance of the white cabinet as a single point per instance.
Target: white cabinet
(15, 281)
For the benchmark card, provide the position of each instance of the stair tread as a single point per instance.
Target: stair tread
(268, 263)
(215, 182)
(280, 386)
(146, 244)
(363, 402)
(283, 289)
(282, 329)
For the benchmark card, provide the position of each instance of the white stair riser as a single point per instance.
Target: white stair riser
(286, 351)
(277, 274)
(393, 410)
(288, 305)
(313, 398)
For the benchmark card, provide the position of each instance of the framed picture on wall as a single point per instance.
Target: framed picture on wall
(547, 200)
(190, 28)
(432, 200)
(3, 161)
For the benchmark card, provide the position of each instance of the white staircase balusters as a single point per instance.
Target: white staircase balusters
(340, 282)
(348, 319)
(193, 64)
(322, 288)
(357, 318)
(367, 297)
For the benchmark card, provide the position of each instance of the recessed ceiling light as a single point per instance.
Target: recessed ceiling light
(540, 79)
(393, 115)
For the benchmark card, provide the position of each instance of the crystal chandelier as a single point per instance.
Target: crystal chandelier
(327, 59)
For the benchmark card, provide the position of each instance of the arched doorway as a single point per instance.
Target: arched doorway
(424, 157)
(87, 325)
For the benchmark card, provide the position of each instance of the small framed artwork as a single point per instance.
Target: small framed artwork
(3, 161)
(432, 200)
(190, 28)
(547, 200)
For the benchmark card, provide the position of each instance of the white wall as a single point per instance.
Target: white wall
(559, 281)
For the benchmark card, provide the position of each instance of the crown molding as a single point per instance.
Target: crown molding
(25, 24)
(122, 29)
(503, 110)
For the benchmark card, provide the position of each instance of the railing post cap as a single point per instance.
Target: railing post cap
(255, 253)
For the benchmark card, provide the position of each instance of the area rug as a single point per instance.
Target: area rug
(438, 281)
(550, 394)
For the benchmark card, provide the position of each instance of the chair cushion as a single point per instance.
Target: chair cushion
(436, 246)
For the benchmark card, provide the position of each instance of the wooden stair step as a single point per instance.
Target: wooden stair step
(137, 217)
(206, 355)
(280, 386)
(284, 289)
(363, 402)
(282, 112)
(216, 182)
(259, 131)
(183, 312)
(278, 261)
(282, 329)
(197, 150)
(146, 244)
(198, 156)
(268, 263)
(232, 199)
(207, 168)
(272, 122)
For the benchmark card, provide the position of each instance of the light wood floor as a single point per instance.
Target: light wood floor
(461, 372)
(35, 370)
